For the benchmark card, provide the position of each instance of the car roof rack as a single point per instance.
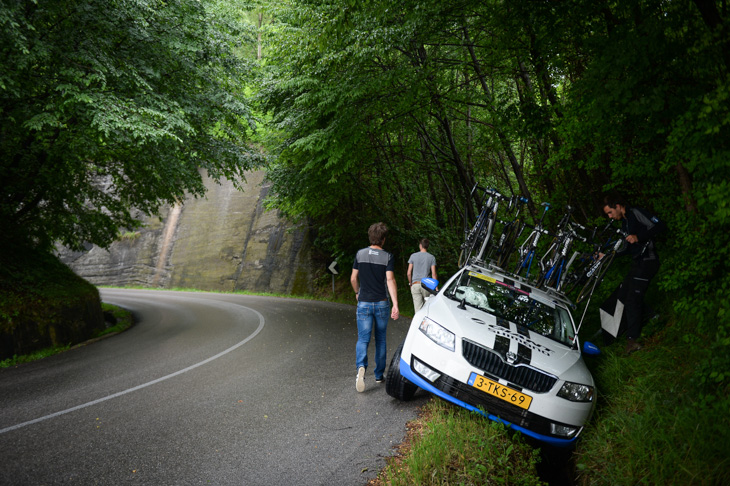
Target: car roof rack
(490, 266)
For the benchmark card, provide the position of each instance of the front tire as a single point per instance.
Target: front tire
(395, 385)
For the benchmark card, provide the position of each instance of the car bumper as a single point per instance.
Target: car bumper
(466, 396)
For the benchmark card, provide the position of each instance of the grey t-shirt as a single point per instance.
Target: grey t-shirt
(422, 262)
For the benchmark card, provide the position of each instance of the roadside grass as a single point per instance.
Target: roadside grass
(343, 295)
(123, 320)
(652, 426)
(447, 445)
(35, 356)
(319, 297)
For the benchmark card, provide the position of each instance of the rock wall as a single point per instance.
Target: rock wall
(224, 242)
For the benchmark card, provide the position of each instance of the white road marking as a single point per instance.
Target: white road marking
(145, 385)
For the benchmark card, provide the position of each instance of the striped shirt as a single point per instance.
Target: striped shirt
(371, 265)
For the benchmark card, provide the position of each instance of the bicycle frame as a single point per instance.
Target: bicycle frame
(554, 264)
(529, 246)
(511, 232)
(597, 270)
(494, 198)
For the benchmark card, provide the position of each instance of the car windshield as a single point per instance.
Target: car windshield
(502, 300)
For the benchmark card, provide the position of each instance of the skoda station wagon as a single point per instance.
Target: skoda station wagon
(491, 343)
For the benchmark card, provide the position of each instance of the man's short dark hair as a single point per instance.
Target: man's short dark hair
(613, 200)
(376, 233)
(424, 243)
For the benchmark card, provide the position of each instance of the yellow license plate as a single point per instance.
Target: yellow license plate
(500, 391)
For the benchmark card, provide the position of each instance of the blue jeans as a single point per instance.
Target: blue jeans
(369, 313)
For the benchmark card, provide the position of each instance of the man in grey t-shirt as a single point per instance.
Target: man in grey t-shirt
(420, 264)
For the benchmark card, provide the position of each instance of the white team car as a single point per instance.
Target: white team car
(491, 343)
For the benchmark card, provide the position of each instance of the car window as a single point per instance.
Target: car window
(515, 305)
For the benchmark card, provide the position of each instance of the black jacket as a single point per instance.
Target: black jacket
(645, 226)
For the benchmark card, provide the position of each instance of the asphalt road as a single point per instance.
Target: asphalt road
(205, 389)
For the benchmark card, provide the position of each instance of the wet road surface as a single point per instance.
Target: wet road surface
(205, 389)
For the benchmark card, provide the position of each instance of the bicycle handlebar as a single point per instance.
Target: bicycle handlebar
(540, 229)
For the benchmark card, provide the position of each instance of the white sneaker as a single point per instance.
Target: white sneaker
(360, 381)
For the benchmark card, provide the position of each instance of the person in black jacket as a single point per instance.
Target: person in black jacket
(639, 227)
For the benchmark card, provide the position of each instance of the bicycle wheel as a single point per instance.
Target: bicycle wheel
(486, 236)
(467, 250)
(577, 278)
(461, 258)
(586, 290)
(505, 249)
(548, 274)
(604, 268)
(472, 239)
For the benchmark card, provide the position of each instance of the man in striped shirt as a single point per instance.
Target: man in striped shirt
(372, 280)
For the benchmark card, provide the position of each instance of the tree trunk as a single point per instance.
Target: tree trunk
(685, 183)
(261, 23)
(506, 146)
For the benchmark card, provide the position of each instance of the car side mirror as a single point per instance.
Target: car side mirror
(591, 349)
(430, 284)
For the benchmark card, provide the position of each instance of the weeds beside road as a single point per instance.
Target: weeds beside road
(122, 320)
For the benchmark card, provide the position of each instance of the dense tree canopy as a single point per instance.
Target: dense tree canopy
(393, 112)
(108, 106)
(408, 105)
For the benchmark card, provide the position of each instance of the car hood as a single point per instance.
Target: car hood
(500, 336)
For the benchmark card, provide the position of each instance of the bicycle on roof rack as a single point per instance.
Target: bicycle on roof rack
(556, 273)
(480, 236)
(555, 262)
(590, 272)
(527, 250)
(511, 232)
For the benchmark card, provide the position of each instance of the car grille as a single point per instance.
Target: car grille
(494, 406)
(492, 364)
(490, 404)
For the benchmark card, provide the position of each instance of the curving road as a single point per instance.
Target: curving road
(205, 389)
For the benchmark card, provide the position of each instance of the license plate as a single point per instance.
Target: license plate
(500, 391)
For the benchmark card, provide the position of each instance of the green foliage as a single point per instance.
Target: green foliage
(379, 118)
(35, 356)
(43, 304)
(389, 112)
(109, 107)
(650, 428)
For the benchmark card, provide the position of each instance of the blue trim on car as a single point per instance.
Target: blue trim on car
(407, 373)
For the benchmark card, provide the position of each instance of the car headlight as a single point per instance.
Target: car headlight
(438, 334)
(576, 392)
